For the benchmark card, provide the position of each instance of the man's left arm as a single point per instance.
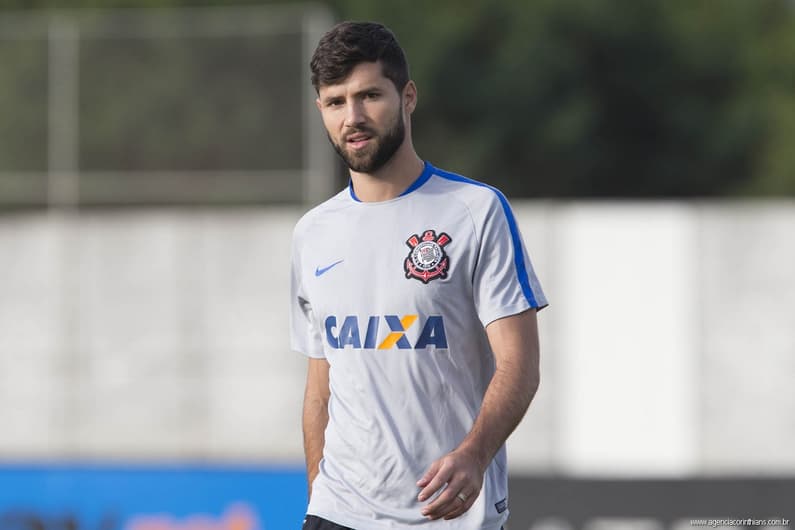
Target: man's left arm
(514, 340)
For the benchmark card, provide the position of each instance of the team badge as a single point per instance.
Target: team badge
(427, 259)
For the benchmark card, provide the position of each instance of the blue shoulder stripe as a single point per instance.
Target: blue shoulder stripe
(518, 253)
(427, 171)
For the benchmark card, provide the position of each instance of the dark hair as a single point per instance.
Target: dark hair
(350, 43)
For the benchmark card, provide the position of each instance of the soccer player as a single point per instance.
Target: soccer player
(415, 301)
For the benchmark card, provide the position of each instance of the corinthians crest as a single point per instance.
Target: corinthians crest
(427, 259)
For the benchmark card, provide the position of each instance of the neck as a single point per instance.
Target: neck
(390, 180)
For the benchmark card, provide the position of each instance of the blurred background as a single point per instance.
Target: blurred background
(155, 155)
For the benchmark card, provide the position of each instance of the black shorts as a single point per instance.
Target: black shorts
(313, 522)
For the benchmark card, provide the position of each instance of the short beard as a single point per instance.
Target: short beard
(385, 149)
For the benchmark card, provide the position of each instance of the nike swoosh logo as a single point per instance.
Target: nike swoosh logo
(319, 271)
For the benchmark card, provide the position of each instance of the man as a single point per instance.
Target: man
(416, 303)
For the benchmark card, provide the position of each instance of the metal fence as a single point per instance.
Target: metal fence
(119, 107)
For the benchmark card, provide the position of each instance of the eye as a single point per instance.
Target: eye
(372, 95)
(336, 102)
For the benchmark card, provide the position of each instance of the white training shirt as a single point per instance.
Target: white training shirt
(395, 295)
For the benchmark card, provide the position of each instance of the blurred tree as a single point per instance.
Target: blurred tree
(191, 103)
(602, 97)
(23, 105)
(609, 98)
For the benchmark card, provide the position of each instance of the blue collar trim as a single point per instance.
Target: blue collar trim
(427, 171)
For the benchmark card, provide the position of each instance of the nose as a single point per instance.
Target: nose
(354, 115)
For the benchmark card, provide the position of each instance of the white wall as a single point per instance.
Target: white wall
(669, 347)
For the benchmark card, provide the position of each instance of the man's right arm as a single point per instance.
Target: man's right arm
(315, 416)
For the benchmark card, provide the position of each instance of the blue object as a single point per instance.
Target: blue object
(150, 497)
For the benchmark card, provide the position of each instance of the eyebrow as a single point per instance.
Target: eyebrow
(329, 99)
(366, 90)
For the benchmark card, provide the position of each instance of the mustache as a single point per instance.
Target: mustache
(358, 130)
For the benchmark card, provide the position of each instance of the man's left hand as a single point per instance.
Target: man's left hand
(462, 473)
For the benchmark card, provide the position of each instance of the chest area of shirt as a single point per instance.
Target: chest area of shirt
(396, 259)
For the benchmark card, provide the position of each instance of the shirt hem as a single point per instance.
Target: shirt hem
(369, 524)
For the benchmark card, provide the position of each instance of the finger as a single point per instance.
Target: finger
(440, 510)
(444, 503)
(428, 474)
(452, 509)
(441, 478)
(462, 507)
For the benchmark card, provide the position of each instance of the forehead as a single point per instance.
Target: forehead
(363, 76)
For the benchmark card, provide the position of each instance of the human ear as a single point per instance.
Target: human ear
(410, 96)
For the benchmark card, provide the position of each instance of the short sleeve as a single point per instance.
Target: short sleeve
(504, 282)
(304, 334)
